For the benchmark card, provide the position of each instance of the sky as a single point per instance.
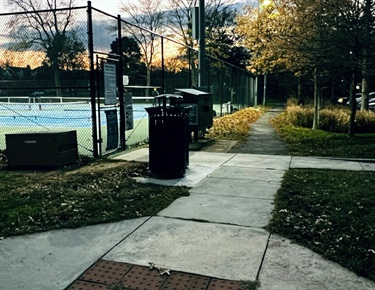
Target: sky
(112, 7)
(109, 6)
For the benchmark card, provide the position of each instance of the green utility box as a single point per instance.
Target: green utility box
(201, 109)
(47, 148)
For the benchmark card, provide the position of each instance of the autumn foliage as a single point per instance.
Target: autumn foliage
(234, 126)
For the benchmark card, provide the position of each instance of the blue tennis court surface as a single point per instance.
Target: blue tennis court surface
(57, 115)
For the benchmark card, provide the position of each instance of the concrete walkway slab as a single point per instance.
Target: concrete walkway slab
(52, 260)
(248, 173)
(260, 161)
(223, 251)
(288, 266)
(251, 212)
(209, 157)
(368, 166)
(237, 187)
(324, 163)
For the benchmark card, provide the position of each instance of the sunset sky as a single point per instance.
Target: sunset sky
(103, 39)
(109, 6)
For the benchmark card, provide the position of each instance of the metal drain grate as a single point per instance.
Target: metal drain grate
(83, 285)
(105, 272)
(220, 284)
(143, 278)
(178, 281)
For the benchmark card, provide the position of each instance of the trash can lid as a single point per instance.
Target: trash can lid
(164, 99)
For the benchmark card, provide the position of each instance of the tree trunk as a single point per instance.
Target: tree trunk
(365, 55)
(365, 92)
(353, 103)
(148, 79)
(316, 101)
(333, 99)
(57, 81)
(299, 91)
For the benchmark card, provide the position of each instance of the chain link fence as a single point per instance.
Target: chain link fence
(59, 67)
(44, 79)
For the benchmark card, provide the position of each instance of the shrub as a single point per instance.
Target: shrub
(300, 115)
(332, 119)
(365, 122)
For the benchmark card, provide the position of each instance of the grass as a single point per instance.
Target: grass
(330, 212)
(294, 127)
(103, 191)
(306, 142)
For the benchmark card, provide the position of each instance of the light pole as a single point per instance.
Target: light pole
(202, 73)
(264, 3)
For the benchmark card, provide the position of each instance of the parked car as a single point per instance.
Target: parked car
(371, 100)
(359, 100)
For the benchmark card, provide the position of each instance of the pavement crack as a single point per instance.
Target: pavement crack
(263, 257)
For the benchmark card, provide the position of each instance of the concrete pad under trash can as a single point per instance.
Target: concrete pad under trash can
(293, 267)
(200, 166)
(52, 260)
(195, 173)
(223, 251)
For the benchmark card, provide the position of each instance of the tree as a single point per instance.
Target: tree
(131, 55)
(221, 37)
(319, 38)
(50, 31)
(271, 33)
(352, 22)
(368, 46)
(144, 20)
(221, 40)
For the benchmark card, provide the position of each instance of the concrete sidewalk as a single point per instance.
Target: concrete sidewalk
(216, 231)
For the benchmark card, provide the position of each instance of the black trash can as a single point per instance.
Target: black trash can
(168, 137)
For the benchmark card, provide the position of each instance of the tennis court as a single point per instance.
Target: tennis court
(35, 117)
(57, 115)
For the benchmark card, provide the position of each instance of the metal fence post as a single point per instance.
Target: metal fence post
(121, 86)
(92, 79)
(221, 88)
(189, 68)
(162, 67)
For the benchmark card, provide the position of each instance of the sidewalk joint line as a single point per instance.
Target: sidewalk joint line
(263, 257)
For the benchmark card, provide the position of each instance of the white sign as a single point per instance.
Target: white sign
(110, 84)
